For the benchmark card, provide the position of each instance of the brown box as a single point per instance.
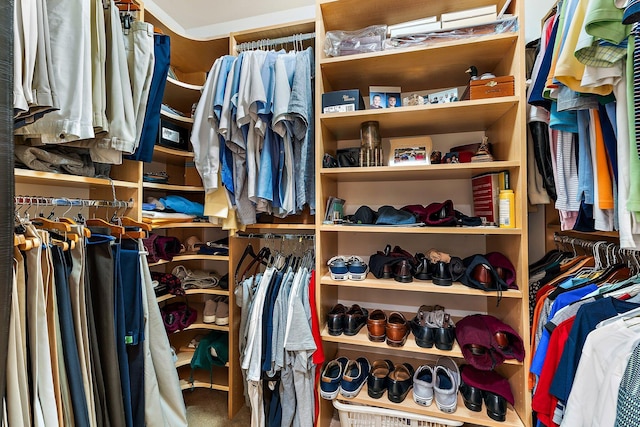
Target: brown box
(491, 88)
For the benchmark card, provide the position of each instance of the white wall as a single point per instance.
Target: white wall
(534, 11)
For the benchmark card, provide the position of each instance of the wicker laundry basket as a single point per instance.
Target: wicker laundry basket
(352, 415)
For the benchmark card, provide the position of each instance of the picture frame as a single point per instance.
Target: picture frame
(410, 151)
(444, 96)
(384, 97)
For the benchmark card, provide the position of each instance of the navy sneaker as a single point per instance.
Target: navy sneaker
(354, 377)
(331, 378)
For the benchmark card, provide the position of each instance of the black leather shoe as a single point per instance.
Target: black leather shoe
(403, 272)
(335, 320)
(423, 270)
(400, 382)
(387, 271)
(445, 336)
(354, 319)
(442, 275)
(422, 333)
(378, 379)
(472, 397)
(496, 406)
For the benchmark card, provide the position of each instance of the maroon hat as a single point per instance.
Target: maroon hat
(419, 211)
(489, 381)
(503, 267)
(440, 214)
(487, 342)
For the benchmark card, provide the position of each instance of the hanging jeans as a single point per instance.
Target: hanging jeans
(149, 134)
(61, 269)
(100, 272)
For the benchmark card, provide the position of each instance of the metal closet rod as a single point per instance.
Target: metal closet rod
(258, 44)
(276, 236)
(65, 201)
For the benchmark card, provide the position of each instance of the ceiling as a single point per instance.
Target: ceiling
(215, 18)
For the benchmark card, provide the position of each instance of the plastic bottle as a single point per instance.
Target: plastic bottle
(506, 209)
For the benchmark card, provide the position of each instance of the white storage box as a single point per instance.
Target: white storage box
(352, 415)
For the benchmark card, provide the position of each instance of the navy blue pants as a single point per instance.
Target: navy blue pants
(151, 124)
(61, 269)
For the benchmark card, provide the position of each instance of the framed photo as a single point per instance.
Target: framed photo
(410, 151)
(444, 96)
(384, 97)
(451, 157)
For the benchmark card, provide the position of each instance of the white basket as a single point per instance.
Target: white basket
(352, 415)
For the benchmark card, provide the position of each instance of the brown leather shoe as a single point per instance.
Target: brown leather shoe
(403, 272)
(397, 329)
(377, 325)
(482, 274)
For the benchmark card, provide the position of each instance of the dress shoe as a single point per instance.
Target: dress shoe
(488, 386)
(400, 382)
(422, 333)
(378, 379)
(377, 325)
(441, 274)
(354, 319)
(423, 270)
(387, 271)
(444, 334)
(423, 385)
(335, 320)
(397, 329)
(482, 274)
(403, 272)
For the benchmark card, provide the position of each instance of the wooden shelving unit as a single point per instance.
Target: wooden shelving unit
(213, 291)
(173, 187)
(438, 65)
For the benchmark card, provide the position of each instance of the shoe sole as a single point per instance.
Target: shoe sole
(222, 321)
(357, 276)
(335, 332)
(209, 319)
(422, 401)
(350, 394)
(442, 282)
(329, 396)
(339, 276)
(447, 409)
(351, 333)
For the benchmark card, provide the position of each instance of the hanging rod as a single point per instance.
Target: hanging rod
(276, 236)
(56, 201)
(265, 43)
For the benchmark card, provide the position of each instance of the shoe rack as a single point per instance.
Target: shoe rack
(435, 66)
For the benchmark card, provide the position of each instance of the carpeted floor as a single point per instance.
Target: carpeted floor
(208, 408)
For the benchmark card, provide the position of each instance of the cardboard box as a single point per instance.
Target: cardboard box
(342, 101)
(492, 88)
(486, 190)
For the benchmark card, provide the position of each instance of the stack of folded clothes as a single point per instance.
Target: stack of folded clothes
(171, 209)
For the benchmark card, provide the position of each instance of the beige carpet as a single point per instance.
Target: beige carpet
(208, 408)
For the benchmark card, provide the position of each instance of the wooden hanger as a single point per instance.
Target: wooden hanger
(127, 6)
(63, 227)
(115, 230)
(130, 222)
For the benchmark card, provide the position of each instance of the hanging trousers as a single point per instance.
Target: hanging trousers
(121, 346)
(134, 325)
(100, 272)
(61, 269)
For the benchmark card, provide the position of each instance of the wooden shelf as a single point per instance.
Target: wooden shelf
(275, 31)
(431, 119)
(177, 119)
(425, 286)
(421, 230)
(201, 379)
(462, 413)
(361, 339)
(350, 15)
(27, 176)
(199, 324)
(214, 291)
(171, 187)
(185, 356)
(170, 155)
(414, 173)
(438, 65)
(180, 95)
(192, 257)
(185, 225)
(307, 227)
